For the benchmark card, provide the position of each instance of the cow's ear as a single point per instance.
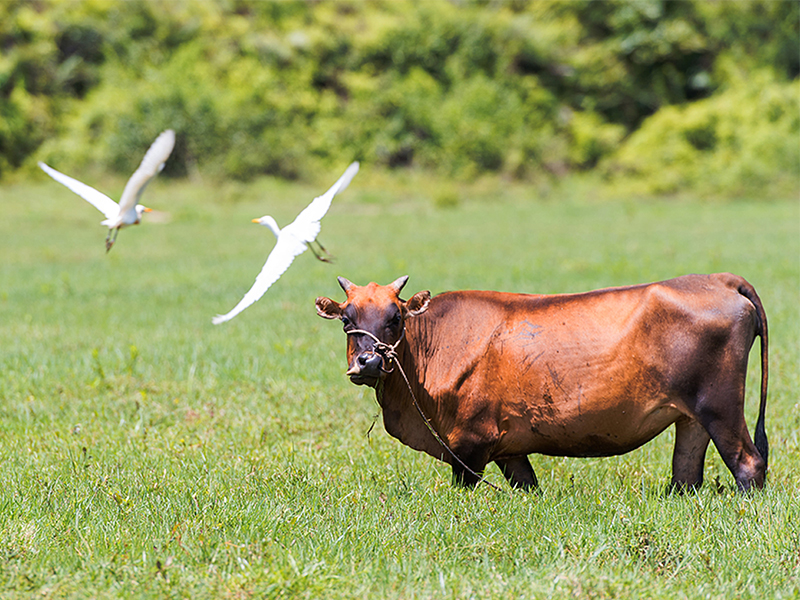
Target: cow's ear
(418, 303)
(328, 309)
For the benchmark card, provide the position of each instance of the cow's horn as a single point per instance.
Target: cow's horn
(398, 284)
(346, 285)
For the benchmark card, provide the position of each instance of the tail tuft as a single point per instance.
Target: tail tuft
(762, 445)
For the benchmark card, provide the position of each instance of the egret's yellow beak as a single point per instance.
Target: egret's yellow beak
(256, 221)
(148, 209)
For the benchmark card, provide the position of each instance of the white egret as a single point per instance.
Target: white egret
(128, 211)
(292, 241)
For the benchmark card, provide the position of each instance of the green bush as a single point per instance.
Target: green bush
(284, 88)
(743, 141)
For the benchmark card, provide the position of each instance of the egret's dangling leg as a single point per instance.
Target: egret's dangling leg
(327, 254)
(109, 240)
(328, 258)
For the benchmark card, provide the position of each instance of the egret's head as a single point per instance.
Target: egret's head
(140, 210)
(268, 221)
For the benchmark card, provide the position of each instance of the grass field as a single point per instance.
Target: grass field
(145, 452)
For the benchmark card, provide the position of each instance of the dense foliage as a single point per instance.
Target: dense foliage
(520, 88)
(745, 141)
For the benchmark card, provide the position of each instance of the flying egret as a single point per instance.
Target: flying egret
(128, 211)
(292, 241)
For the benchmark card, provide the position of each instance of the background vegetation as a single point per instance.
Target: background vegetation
(664, 94)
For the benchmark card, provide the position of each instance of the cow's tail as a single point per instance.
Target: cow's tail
(749, 292)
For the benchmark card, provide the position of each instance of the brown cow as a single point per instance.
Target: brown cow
(501, 376)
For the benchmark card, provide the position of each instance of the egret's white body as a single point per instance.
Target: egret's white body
(128, 211)
(292, 241)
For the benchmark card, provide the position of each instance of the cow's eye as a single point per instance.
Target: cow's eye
(345, 322)
(394, 321)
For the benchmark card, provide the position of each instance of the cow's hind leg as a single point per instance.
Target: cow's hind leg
(518, 472)
(738, 452)
(688, 458)
(721, 413)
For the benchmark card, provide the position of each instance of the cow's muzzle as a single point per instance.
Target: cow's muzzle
(369, 367)
(366, 369)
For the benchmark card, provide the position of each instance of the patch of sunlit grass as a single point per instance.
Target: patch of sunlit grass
(146, 452)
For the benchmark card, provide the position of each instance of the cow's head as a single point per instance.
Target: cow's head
(378, 310)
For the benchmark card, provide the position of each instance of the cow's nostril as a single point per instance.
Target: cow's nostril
(369, 363)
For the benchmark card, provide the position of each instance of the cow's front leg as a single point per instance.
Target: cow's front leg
(463, 478)
(468, 467)
(518, 472)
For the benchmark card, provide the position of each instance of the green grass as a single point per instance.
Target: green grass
(146, 453)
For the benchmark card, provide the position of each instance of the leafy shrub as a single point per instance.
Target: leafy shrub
(743, 141)
(591, 138)
(282, 88)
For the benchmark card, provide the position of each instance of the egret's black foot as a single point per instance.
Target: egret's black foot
(110, 240)
(323, 255)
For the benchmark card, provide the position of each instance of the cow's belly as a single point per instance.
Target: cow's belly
(603, 432)
(598, 410)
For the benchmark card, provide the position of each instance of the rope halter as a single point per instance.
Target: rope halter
(388, 352)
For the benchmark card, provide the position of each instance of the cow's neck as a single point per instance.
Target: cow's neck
(400, 417)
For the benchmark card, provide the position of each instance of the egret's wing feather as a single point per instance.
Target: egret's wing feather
(278, 261)
(151, 165)
(97, 199)
(320, 205)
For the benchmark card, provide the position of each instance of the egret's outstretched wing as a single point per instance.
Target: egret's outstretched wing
(151, 165)
(320, 205)
(97, 199)
(278, 261)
